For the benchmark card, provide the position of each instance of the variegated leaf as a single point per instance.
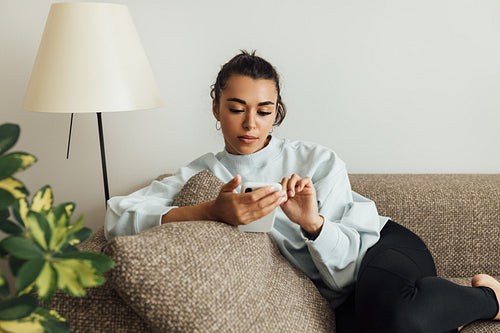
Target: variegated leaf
(77, 225)
(21, 248)
(86, 275)
(14, 187)
(41, 320)
(66, 233)
(67, 278)
(27, 160)
(43, 199)
(59, 237)
(29, 273)
(59, 216)
(46, 281)
(9, 133)
(6, 199)
(8, 166)
(99, 261)
(54, 322)
(69, 207)
(21, 209)
(74, 275)
(17, 307)
(36, 230)
(15, 162)
(10, 227)
(30, 323)
(27, 324)
(80, 236)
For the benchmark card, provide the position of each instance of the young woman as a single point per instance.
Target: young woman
(378, 275)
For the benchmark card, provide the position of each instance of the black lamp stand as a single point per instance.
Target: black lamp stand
(103, 159)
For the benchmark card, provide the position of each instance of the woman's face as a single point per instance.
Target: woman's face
(246, 111)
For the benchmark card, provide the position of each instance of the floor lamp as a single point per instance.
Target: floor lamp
(91, 59)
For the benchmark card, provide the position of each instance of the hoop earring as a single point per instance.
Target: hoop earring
(217, 125)
(272, 129)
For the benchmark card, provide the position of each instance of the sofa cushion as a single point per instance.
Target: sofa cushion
(100, 310)
(209, 276)
(458, 216)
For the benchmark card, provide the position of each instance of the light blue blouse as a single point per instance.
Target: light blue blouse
(352, 224)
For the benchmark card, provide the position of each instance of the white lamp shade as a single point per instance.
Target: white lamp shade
(90, 59)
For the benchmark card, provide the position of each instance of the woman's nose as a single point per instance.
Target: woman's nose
(249, 121)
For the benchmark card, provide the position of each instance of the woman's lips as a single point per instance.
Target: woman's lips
(247, 139)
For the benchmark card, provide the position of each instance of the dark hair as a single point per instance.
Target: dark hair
(248, 64)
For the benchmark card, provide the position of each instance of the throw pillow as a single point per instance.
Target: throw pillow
(207, 276)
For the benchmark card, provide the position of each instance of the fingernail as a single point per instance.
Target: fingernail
(290, 193)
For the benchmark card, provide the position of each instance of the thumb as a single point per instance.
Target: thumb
(231, 185)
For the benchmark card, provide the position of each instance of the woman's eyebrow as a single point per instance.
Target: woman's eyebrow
(237, 100)
(234, 99)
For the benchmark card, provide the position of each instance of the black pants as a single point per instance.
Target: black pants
(397, 291)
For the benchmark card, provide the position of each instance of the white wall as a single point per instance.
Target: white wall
(393, 86)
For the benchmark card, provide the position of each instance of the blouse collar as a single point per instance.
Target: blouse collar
(257, 159)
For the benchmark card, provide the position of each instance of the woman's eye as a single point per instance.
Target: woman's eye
(264, 113)
(235, 110)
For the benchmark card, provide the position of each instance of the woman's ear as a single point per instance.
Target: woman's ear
(215, 109)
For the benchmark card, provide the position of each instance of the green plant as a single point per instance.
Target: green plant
(39, 247)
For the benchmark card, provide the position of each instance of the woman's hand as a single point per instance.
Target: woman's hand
(302, 206)
(240, 209)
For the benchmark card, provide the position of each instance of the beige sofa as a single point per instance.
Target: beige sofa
(209, 277)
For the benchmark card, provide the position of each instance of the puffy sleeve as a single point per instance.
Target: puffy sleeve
(143, 209)
(352, 225)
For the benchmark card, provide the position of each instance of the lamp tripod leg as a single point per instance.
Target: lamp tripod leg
(103, 158)
(69, 136)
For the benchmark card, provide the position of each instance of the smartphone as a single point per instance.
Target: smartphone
(266, 223)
